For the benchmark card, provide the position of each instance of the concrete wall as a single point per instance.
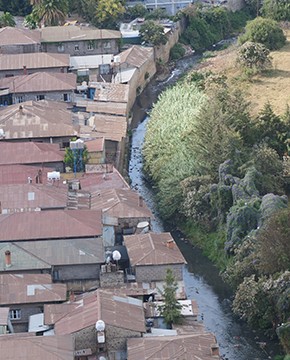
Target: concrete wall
(52, 95)
(97, 157)
(111, 279)
(16, 72)
(77, 48)
(77, 272)
(26, 311)
(147, 273)
(20, 49)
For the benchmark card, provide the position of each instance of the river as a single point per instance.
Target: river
(202, 280)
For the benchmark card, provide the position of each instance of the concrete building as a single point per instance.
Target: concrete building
(170, 6)
(19, 41)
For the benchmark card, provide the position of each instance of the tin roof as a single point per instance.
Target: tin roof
(19, 174)
(107, 108)
(110, 92)
(95, 145)
(120, 203)
(152, 249)
(39, 82)
(76, 33)
(55, 224)
(37, 61)
(4, 312)
(37, 119)
(90, 61)
(30, 288)
(17, 346)
(119, 311)
(18, 36)
(136, 55)
(28, 197)
(186, 347)
(29, 153)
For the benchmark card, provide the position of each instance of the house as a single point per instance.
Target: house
(41, 121)
(28, 346)
(171, 8)
(21, 174)
(79, 40)
(37, 86)
(92, 66)
(152, 254)
(185, 347)
(19, 41)
(100, 322)
(26, 294)
(26, 64)
(31, 153)
(96, 150)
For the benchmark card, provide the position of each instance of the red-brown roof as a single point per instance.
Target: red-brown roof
(56, 224)
(30, 288)
(19, 174)
(17, 36)
(29, 153)
(136, 55)
(153, 249)
(96, 145)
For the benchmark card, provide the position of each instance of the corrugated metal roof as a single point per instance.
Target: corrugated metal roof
(37, 119)
(29, 153)
(39, 82)
(4, 312)
(107, 108)
(28, 197)
(90, 61)
(29, 289)
(35, 61)
(18, 174)
(76, 33)
(56, 224)
(136, 55)
(110, 92)
(95, 145)
(18, 36)
(152, 249)
(186, 347)
(122, 312)
(16, 346)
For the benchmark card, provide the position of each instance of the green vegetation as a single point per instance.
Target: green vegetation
(152, 33)
(108, 12)
(7, 19)
(278, 10)
(177, 52)
(81, 158)
(47, 12)
(16, 7)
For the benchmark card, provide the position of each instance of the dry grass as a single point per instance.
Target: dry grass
(272, 86)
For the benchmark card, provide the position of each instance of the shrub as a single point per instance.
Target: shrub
(253, 56)
(177, 52)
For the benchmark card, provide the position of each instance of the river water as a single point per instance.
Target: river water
(202, 280)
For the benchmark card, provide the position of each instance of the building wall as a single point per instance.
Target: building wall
(52, 95)
(97, 157)
(171, 7)
(20, 49)
(147, 273)
(76, 272)
(111, 279)
(77, 48)
(16, 72)
(26, 311)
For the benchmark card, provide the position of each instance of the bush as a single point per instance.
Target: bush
(253, 56)
(264, 31)
(278, 10)
(177, 52)
(152, 33)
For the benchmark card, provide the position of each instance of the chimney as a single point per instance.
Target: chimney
(170, 244)
(7, 258)
(140, 202)
(24, 70)
(214, 349)
(39, 175)
(20, 109)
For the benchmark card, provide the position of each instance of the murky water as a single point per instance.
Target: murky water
(202, 280)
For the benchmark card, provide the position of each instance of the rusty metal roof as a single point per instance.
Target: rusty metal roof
(37, 119)
(17, 36)
(119, 108)
(119, 311)
(30, 288)
(136, 55)
(120, 203)
(152, 249)
(19, 174)
(76, 33)
(4, 312)
(55, 224)
(17, 346)
(95, 145)
(29, 153)
(36, 61)
(30, 197)
(39, 82)
(110, 92)
(186, 347)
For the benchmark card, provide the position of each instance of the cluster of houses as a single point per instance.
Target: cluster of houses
(81, 273)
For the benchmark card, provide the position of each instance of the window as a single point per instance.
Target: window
(40, 97)
(60, 47)
(90, 45)
(77, 48)
(19, 99)
(65, 97)
(15, 314)
(107, 45)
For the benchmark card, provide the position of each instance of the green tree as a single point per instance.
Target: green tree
(16, 7)
(171, 310)
(7, 20)
(253, 57)
(254, 6)
(278, 10)
(108, 12)
(264, 31)
(50, 12)
(81, 158)
(136, 11)
(152, 33)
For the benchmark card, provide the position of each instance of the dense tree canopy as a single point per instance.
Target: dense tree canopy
(16, 7)
(152, 33)
(254, 57)
(278, 10)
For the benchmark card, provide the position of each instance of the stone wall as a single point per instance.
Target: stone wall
(162, 52)
(77, 272)
(111, 279)
(147, 273)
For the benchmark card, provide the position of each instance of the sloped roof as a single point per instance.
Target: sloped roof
(152, 249)
(17, 36)
(136, 55)
(16, 346)
(56, 224)
(186, 347)
(30, 288)
(95, 145)
(119, 311)
(76, 33)
(36, 61)
(107, 108)
(90, 61)
(28, 197)
(110, 92)
(39, 82)
(20, 258)
(29, 153)
(19, 174)
(37, 119)
(120, 203)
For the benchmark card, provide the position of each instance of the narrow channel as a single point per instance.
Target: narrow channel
(202, 280)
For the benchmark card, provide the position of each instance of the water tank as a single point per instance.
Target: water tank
(100, 325)
(142, 227)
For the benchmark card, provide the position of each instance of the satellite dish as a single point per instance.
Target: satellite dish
(116, 255)
(100, 325)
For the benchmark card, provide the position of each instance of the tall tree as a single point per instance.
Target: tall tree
(50, 12)
(278, 10)
(108, 12)
(7, 19)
